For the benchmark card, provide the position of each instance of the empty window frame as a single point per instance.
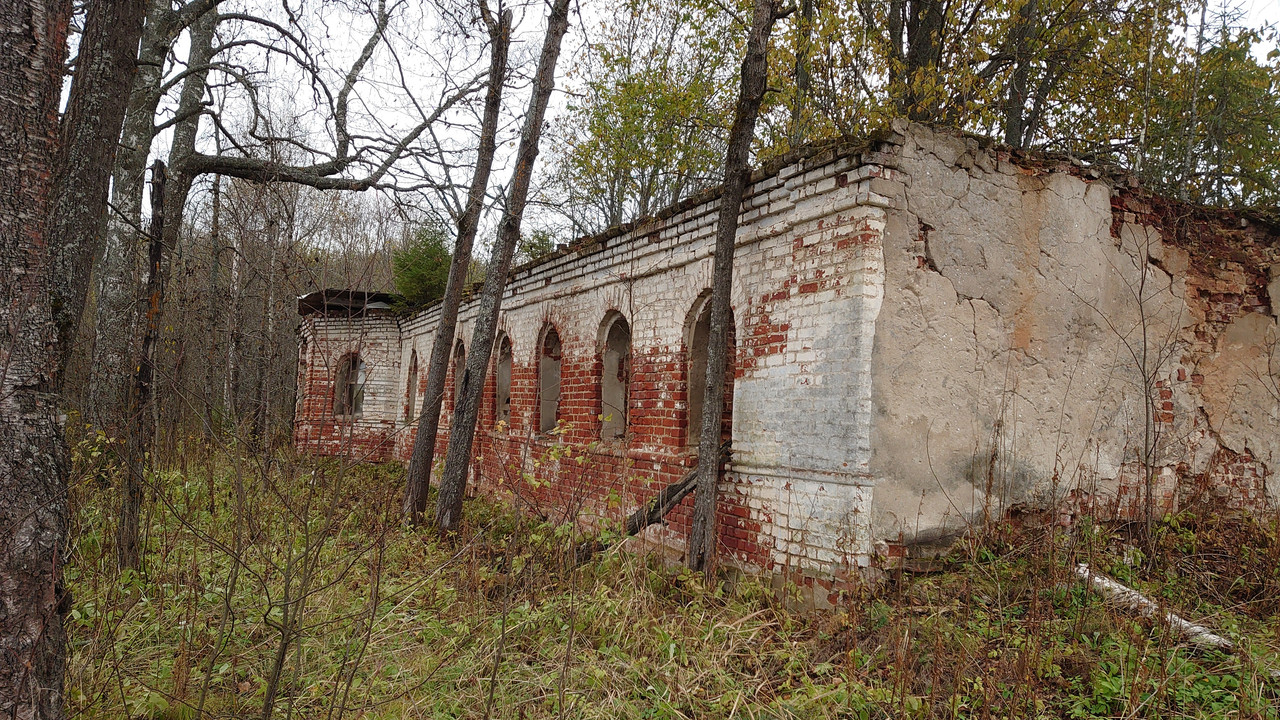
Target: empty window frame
(502, 376)
(549, 356)
(615, 377)
(348, 387)
(459, 368)
(411, 390)
(696, 380)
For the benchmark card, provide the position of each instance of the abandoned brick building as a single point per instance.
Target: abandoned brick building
(929, 329)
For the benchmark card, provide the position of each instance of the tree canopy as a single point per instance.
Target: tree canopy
(1176, 90)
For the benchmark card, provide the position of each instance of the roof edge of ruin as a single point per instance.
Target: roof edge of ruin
(818, 151)
(894, 132)
(347, 301)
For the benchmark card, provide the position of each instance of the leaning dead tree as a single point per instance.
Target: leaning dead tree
(141, 430)
(652, 512)
(168, 197)
(453, 480)
(424, 442)
(737, 170)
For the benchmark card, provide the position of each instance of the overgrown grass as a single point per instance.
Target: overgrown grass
(300, 577)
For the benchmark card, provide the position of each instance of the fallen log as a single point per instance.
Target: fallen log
(650, 513)
(1127, 598)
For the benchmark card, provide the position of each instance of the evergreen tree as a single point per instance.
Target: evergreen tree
(421, 267)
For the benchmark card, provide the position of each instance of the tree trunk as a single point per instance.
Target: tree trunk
(453, 481)
(266, 350)
(804, 77)
(755, 73)
(90, 135)
(121, 259)
(33, 453)
(118, 269)
(231, 385)
(424, 442)
(214, 305)
(1026, 25)
(1015, 106)
(141, 429)
(169, 202)
(1184, 181)
(924, 49)
(1126, 598)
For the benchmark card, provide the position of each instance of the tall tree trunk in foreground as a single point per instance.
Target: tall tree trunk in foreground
(33, 456)
(167, 202)
(424, 442)
(755, 73)
(90, 135)
(453, 482)
(141, 430)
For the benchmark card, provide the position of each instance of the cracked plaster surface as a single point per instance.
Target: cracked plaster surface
(1019, 340)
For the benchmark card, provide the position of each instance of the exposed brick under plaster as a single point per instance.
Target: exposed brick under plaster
(810, 277)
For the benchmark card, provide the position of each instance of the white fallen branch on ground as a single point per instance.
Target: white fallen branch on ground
(1129, 599)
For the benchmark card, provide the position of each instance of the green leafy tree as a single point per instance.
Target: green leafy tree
(648, 117)
(1196, 114)
(1223, 123)
(421, 267)
(1146, 84)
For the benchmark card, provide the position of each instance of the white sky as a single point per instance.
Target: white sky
(1258, 13)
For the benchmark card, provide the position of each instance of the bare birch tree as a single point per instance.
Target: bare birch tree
(363, 152)
(118, 257)
(91, 130)
(453, 480)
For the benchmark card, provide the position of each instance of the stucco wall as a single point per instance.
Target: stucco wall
(1043, 332)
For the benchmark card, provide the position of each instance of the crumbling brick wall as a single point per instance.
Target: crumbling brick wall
(929, 329)
(797, 491)
(370, 435)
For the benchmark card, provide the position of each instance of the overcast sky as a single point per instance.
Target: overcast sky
(427, 52)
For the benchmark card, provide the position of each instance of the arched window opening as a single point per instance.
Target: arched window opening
(696, 382)
(348, 387)
(549, 357)
(502, 398)
(615, 378)
(459, 367)
(411, 389)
